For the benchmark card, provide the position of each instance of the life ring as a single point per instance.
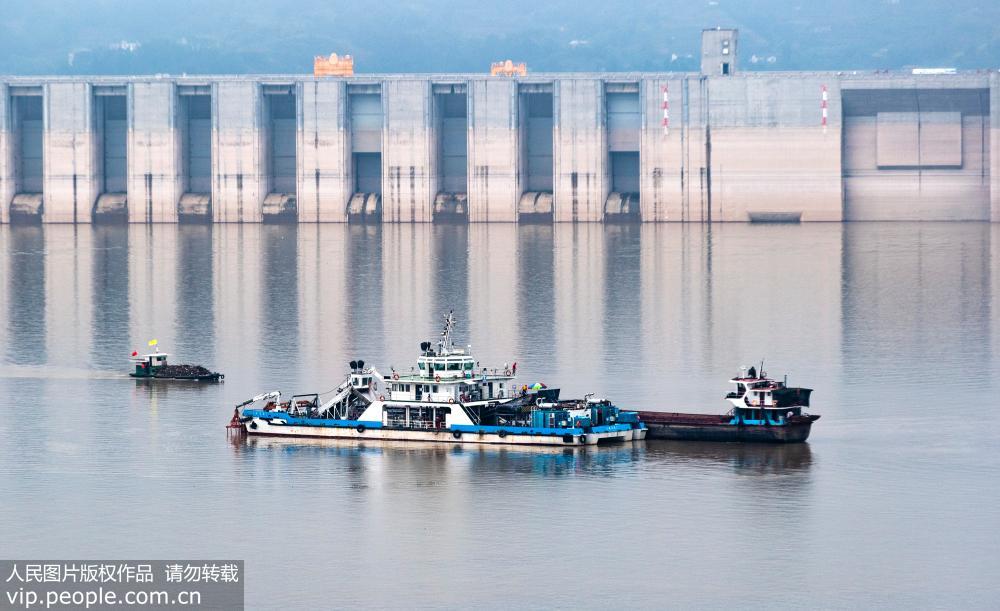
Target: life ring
(506, 372)
(583, 439)
(381, 397)
(502, 433)
(360, 428)
(456, 434)
(437, 378)
(395, 376)
(451, 400)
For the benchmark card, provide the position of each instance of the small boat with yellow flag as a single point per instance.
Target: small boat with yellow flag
(154, 366)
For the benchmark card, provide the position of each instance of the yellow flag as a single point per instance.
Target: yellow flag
(152, 342)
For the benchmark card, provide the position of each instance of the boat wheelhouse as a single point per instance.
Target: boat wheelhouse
(763, 401)
(146, 365)
(447, 396)
(450, 374)
(763, 409)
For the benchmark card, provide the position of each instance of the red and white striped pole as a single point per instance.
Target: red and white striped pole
(666, 108)
(823, 105)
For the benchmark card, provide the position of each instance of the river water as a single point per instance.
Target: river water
(894, 501)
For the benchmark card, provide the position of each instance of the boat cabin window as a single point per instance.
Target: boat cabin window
(358, 381)
(438, 366)
(421, 365)
(469, 365)
(454, 366)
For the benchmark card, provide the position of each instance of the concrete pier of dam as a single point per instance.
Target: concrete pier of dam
(718, 145)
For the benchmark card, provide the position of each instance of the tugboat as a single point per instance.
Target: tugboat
(764, 410)
(446, 397)
(154, 366)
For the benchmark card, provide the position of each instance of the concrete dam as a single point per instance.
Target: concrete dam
(721, 144)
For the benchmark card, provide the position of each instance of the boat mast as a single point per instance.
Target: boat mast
(445, 342)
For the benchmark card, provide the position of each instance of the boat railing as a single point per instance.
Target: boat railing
(464, 374)
(413, 423)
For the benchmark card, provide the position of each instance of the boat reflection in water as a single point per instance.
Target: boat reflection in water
(611, 460)
(745, 458)
(539, 460)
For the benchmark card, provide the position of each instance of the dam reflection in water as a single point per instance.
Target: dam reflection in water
(892, 324)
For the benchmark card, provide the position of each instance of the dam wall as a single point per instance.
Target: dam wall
(155, 171)
(580, 147)
(324, 143)
(919, 150)
(6, 155)
(994, 157)
(493, 151)
(71, 168)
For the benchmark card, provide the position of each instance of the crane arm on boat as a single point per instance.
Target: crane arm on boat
(274, 394)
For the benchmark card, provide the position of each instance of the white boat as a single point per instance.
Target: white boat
(446, 397)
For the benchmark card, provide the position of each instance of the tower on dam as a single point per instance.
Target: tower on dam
(508, 145)
(718, 52)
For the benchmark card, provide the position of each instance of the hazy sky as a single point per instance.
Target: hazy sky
(176, 36)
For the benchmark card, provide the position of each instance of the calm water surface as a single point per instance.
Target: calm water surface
(893, 502)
